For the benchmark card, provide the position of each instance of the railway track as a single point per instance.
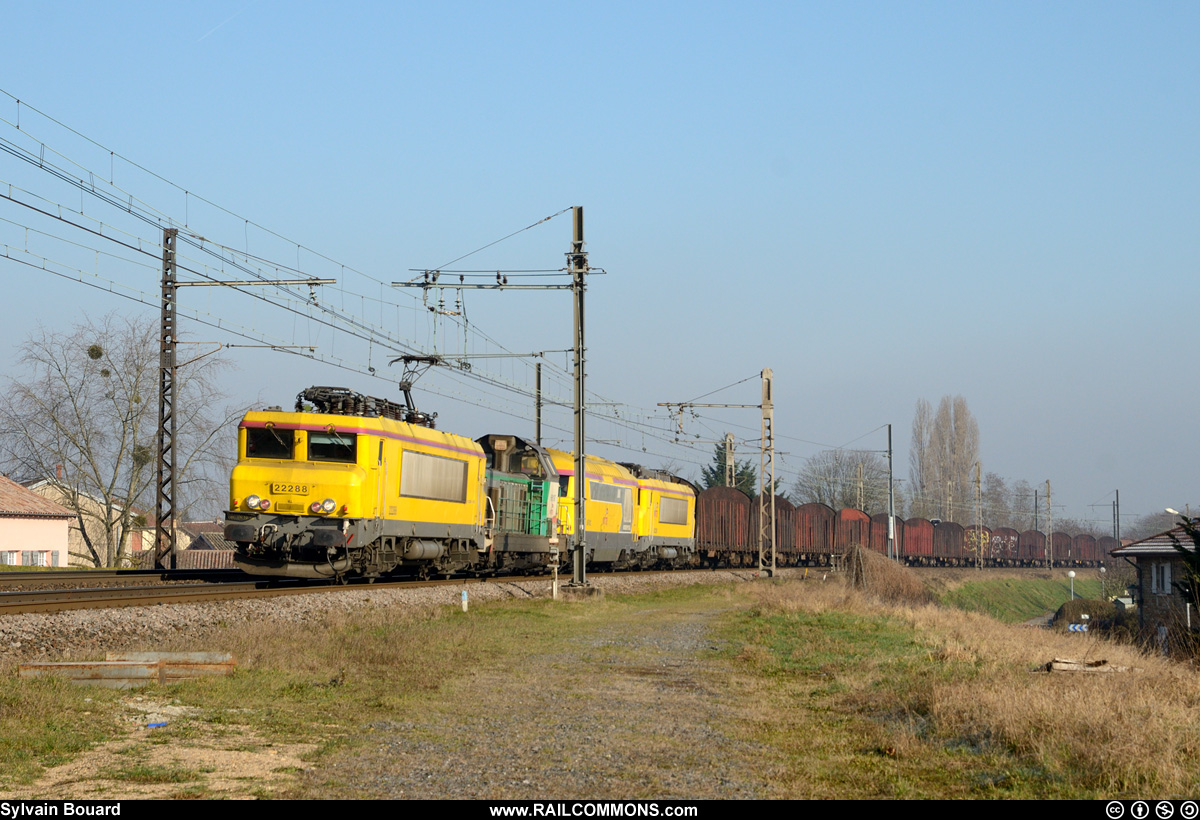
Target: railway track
(57, 600)
(72, 578)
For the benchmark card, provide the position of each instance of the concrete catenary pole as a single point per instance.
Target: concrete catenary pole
(578, 264)
(891, 539)
(766, 477)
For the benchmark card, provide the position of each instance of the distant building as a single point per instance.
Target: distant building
(137, 537)
(33, 529)
(1161, 607)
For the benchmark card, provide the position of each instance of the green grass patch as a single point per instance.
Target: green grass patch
(149, 774)
(1016, 600)
(853, 714)
(833, 695)
(46, 722)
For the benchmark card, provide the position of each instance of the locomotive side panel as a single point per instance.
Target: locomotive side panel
(610, 492)
(666, 521)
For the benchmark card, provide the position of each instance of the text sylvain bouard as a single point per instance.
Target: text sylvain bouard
(58, 809)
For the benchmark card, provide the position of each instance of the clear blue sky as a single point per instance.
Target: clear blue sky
(882, 202)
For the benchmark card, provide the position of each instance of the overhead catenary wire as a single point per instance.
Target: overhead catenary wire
(341, 315)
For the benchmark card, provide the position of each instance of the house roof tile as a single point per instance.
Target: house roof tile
(1161, 544)
(16, 501)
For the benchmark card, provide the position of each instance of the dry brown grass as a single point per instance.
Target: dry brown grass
(1119, 733)
(884, 579)
(1125, 731)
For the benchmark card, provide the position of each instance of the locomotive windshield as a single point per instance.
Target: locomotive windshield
(332, 447)
(267, 442)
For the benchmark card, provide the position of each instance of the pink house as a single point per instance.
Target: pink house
(33, 529)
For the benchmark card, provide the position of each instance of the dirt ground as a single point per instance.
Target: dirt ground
(643, 709)
(213, 762)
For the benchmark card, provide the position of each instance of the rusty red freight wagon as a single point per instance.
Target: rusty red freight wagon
(815, 524)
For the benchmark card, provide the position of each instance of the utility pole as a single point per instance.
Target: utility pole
(730, 472)
(537, 434)
(164, 504)
(578, 268)
(1117, 518)
(577, 263)
(860, 485)
(168, 367)
(766, 511)
(978, 518)
(1049, 529)
(891, 537)
(766, 526)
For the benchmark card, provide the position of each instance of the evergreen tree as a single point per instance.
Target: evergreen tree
(745, 477)
(1189, 584)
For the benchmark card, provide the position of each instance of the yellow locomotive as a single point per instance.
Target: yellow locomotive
(352, 485)
(344, 485)
(635, 518)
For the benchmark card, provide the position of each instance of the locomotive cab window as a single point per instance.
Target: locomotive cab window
(333, 447)
(267, 442)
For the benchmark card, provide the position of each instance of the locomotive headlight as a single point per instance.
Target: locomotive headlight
(252, 501)
(328, 505)
(265, 504)
(315, 506)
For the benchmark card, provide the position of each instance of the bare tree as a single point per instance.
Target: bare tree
(83, 420)
(1150, 524)
(942, 459)
(1021, 505)
(997, 501)
(844, 478)
(922, 468)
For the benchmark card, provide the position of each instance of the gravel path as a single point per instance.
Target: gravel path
(636, 713)
(640, 711)
(81, 634)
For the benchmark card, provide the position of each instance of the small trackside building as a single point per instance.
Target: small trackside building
(33, 529)
(1159, 566)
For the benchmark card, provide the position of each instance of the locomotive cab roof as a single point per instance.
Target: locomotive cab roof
(513, 454)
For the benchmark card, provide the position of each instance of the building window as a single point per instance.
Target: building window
(10, 558)
(1160, 577)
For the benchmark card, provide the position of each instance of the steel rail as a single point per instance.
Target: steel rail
(92, 576)
(57, 600)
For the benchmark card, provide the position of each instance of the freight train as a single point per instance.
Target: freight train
(349, 485)
(814, 534)
(346, 485)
